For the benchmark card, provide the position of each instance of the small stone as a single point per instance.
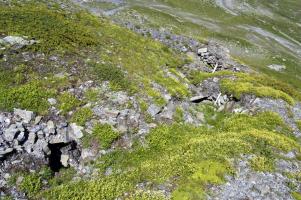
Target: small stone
(221, 108)
(10, 133)
(198, 99)
(30, 141)
(153, 110)
(19, 180)
(120, 98)
(38, 148)
(51, 127)
(277, 68)
(6, 151)
(87, 153)
(64, 160)
(40, 134)
(200, 116)
(7, 176)
(215, 79)
(111, 113)
(38, 120)
(290, 155)
(25, 115)
(75, 131)
(46, 150)
(60, 137)
(21, 137)
(52, 101)
(202, 50)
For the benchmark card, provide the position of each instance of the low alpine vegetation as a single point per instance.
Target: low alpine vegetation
(196, 156)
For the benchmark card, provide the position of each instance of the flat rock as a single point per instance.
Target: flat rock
(6, 151)
(198, 99)
(153, 110)
(75, 131)
(17, 41)
(202, 50)
(59, 138)
(64, 160)
(25, 115)
(10, 133)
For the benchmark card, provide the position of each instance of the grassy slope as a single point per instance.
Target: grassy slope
(78, 36)
(186, 156)
(204, 20)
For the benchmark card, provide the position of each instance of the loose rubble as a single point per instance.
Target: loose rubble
(248, 184)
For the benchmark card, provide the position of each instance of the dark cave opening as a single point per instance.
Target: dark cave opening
(55, 156)
(54, 159)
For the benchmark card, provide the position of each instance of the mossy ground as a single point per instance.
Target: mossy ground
(259, 85)
(187, 156)
(123, 58)
(203, 20)
(102, 135)
(190, 157)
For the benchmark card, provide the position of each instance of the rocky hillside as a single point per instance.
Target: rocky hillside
(115, 99)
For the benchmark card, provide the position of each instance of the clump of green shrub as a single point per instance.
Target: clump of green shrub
(103, 134)
(32, 183)
(92, 95)
(263, 120)
(153, 93)
(113, 74)
(197, 77)
(178, 115)
(197, 156)
(53, 28)
(174, 87)
(247, 84)
(68, 102)
(65, 175)
(82, 115)
(31, 96)
(296, 195)
(260, 163)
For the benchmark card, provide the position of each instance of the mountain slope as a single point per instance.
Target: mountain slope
(149, 100)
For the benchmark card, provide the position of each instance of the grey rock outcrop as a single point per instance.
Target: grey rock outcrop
(248, 184)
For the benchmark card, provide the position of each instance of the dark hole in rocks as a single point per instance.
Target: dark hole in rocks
(55, 156)
(24, 138)
(200, 100)
(54, 161)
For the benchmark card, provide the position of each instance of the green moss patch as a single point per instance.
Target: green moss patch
(190, 157)
(68, 102)
(260, 163)
(54, 29)
(82, 115)
(103, 135)
(31, 96)
(261, 86)
(197, 77)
